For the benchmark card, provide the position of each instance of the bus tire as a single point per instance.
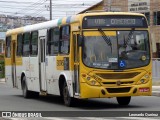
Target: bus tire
(25, 91)
(68, 100)
(123, 100)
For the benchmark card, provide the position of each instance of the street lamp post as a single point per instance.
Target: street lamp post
(50, 9)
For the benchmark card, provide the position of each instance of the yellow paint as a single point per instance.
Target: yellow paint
(88, 91)
(64, 20)
(8, 61)
(60, 62)
(75, 28)
(73, 49)
(15, 31)
(77, 18)
(13, 37)
(13, 48)
(18, 61)
(110, 13)
(98, 33)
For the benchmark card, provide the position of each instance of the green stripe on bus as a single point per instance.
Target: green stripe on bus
(60, 21)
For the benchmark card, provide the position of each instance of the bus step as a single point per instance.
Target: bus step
(43, 93)
(76, 95)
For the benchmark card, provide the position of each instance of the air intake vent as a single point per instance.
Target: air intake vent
(118, 90)
(127, 82)
(117, 75)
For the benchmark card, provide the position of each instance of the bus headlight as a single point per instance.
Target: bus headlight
(90, 80)
(146, 76)
(144, 79)
(93, 83)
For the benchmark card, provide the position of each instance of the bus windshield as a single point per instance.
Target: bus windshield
(128, 49)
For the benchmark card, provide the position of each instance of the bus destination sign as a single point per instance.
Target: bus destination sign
(123, 21)
(114, 21)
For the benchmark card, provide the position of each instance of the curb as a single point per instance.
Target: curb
(156, 93)
(2, 80)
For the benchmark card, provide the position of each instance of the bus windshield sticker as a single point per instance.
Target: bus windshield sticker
(113, 60)
(102, 65)
(122, 63)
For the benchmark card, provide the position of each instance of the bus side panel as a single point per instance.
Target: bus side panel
(8, 75)
(51, 76)
(26, 70)
(8, 72)
(66, 72)
(34, 74)
(18, 76)
(18, 71)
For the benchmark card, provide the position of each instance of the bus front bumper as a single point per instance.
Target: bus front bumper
(88, 91)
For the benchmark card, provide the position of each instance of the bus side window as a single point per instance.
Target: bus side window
(19, 45)
(34, 43)
(8, 47)
(64, 39)
(53, 41)
(26, 43)
(48, 40)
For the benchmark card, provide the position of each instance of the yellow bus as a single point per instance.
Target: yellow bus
(89, 55)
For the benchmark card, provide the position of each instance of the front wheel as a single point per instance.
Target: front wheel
(123, 100)
(68, 100)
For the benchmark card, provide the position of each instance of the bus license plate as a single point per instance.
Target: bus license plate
(144, 89)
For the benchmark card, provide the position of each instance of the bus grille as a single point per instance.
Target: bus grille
(118, 90)
(117, 75)
(114, 83)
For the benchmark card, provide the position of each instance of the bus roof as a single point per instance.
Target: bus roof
(65, 20)
(43, 25)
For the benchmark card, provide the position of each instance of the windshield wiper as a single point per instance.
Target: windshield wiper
(129, 38)
(106, 38)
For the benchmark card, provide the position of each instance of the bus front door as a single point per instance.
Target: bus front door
(76, 64)
(42, 59)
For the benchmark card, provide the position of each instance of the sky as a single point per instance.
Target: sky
(40, 8)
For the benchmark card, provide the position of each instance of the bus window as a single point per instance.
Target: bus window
(34, 44)
(19, 45)
(8, 47)
(64, 39)
(53, 41)
(26, 39)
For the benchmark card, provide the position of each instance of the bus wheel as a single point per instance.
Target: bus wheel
(123, 100)
(26, 92)
(68, 101)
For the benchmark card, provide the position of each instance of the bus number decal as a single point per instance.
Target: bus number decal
(60, 62)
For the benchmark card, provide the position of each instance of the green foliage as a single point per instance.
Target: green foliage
(2, 66)
(2, 56)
